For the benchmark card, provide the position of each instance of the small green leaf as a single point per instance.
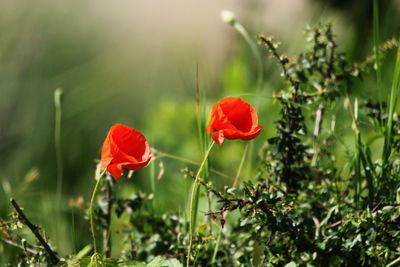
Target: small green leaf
(162, 262)
(132, 264)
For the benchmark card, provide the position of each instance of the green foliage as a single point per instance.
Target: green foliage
(111, 262)
(311, 203)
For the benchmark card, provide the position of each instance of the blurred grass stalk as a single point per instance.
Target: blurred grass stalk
(91, 213)
(375, 10)
(153, 182)
(361, 160)
(57, 144)
(376, 47)
(203, 169)
(393, 101)
(57, 141)
(388, 139)
(235, 182)
(203, 144)
(192, 206)
(229, 18)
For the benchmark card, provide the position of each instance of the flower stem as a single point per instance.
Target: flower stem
(254, 49)
(91, 210)
(152, 182)
(260, 79)
(235, 183)
(57, 143)
(192, 207)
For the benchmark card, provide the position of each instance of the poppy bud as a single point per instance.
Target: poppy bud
(228, 17)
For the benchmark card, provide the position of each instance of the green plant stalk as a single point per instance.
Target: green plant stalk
(108, 197)
(202, 137)
(357, 160)
(152, 182)
(254, 49)
(376, 47)
(357, 157)
(260, 76)
(197, 256)
(216, 246)
(392, 106)
(357, 178)
(360, 159)
(57, 142)
(73, 230)
(198, 112)
(91, 210)
(82, 253)
(192, 206)
(367, 171)
(393, 262)
(235, 182)
(57, 145)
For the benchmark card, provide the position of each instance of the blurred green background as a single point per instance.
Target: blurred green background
(134, 62)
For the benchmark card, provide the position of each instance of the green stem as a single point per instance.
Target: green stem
(91, 210)
(152, 183)
(376, 46)
(202, 136)
(235, 182)
(57, 142)
(391, 110)
(393, 262)
(260, 77)
(57, 145)
(193, 199)
(216, 246)
(254, 49)
(368, 173)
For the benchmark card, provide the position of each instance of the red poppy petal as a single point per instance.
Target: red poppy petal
(254, 118)
(252, 134)
(239, 113)
(106, 154)
(130, 141)
(134, 167)
(233, 118)
(124, 147)
(218, 137)
(210, 128)
(115, 170)
(222, 121)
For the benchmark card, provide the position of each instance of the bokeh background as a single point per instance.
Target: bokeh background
(134, 62)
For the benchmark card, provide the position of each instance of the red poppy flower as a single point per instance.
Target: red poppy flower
(124, 147)
(233, 118)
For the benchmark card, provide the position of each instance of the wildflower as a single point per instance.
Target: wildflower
(233, 118)
(124, 147)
